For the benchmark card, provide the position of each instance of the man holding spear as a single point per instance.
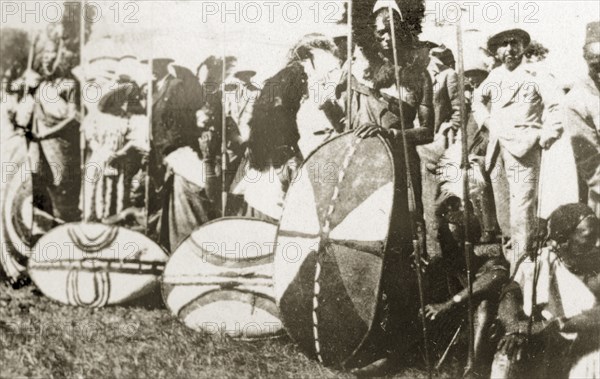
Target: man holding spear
(401, 92)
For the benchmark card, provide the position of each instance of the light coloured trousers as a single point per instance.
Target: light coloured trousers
(515, 184)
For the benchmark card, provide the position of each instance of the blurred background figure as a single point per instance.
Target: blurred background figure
(535, 52)
(278, 128)
(241, 94)
(446, 100)
(209, 118)
(176, 170)
(49, 114)
(583, 121)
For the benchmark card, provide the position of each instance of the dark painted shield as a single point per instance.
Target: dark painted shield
(340, 241)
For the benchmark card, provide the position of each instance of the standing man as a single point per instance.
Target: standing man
(478, 139)
(583, 121)
(49, 114)
(176, 170)
(520, 108)
(241, 94)
(376, 111)
(446, 100)
(446, 106)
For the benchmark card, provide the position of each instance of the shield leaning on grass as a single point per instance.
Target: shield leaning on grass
(342, 250)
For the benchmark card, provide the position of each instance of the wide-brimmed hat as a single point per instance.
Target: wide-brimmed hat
(97, 68)
(443, 53)
(592, 32)
(243, 67)
(496, 40)
(478, 66)
(158, 60)
(477, 61)
(114, 101)
(244, 72)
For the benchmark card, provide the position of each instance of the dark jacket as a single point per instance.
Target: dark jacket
(446, 100)
(172, 120)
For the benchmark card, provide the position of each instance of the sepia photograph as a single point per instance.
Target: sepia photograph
(300, 189)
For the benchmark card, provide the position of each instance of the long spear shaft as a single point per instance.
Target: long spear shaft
(82, 141)
(411, 197)
(349, 56)
(27, 140)
(29, 64)
(466, 198)
(223, 132)
(149, 106)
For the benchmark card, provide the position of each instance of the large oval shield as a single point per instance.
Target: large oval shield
(94, 265)
(22, 222)
(334, 235)
(220, 279)
(17, 213)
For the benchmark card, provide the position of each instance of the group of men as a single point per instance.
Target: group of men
(515, 112)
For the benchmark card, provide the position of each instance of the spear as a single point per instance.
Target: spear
(411, 196)
(149, 106)
(29, 64)
(28, 139)
(223, 133)
(349, 56)
(82, 142)
(466, 201)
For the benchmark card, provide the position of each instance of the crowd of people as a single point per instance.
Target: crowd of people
(156, 149)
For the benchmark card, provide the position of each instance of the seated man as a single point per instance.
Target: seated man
(553, 331)
(490, 272)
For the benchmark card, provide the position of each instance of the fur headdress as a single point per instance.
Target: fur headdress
(407, 23)
(273, 126)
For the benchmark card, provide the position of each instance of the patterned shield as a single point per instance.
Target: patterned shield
(341, 241)
(22, 223)
(220, 279)
(95, 265)
(17, 220)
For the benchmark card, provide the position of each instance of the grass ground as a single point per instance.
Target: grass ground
(42, 339)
